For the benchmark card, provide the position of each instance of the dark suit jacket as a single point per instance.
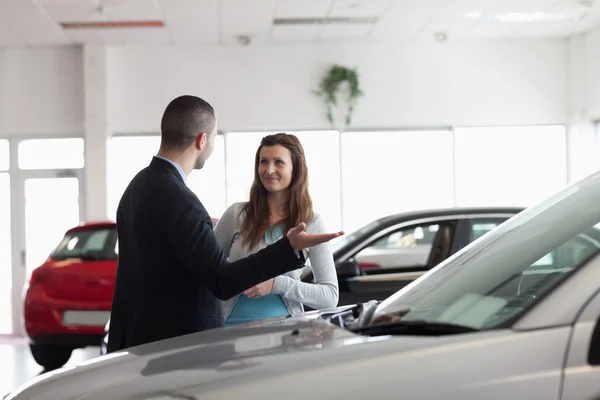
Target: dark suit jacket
(170, 266)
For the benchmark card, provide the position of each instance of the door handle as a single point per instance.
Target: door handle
(23, 258)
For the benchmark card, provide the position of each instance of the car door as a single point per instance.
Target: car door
(582, 366)
(391, 260)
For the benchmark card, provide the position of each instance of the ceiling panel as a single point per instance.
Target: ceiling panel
(345, 31)
(243, 17)
(222, 21)
(359, 8)
(295, 34)
(82, 13)
(457, 18)
(133, 10)
(200, 11)
(530, 19)
(404, 19)
(67, 3)
(302, 8)
(30, 23)
(192, 21)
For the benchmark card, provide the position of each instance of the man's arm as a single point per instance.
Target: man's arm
(187, 228)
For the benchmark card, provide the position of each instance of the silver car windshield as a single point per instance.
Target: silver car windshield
(504, 273)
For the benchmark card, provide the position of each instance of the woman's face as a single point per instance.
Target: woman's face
(275, 168)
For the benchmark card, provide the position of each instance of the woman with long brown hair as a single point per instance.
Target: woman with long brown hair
(279, 200)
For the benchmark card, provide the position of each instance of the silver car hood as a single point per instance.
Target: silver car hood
(278, 356)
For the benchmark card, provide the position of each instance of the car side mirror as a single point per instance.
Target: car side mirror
(350, 267)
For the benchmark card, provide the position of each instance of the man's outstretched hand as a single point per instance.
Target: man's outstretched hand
(300, 240)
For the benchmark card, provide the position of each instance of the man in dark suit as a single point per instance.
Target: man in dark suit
(171, 269)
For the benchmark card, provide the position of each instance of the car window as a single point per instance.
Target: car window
(481, 226)
(408, 248)
(88, 244)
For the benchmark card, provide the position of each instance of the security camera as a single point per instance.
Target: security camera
(244, 40)
(440, 37)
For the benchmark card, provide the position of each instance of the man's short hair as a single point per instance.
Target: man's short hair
(184, 118)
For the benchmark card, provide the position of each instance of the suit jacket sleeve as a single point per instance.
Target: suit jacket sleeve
(188, 228)
(225, 229)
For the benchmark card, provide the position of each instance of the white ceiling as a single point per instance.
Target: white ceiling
(38, 22)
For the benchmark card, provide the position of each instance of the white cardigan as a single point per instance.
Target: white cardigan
(324, 293)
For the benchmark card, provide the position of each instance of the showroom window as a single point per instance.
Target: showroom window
(5, 241)
(509, 166)
(127, 155)
(390, 172)
(322, 157)
(4, 155)
(51, 153)
(209, 182)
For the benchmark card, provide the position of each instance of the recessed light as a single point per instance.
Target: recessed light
(537, 16)
(473, 14)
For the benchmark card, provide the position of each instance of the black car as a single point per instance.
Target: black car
(389, 253)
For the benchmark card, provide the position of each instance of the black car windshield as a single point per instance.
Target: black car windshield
(505, 272)
(88, 244)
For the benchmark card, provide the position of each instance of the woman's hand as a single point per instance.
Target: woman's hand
(262, 289)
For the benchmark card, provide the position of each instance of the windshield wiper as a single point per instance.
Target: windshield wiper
(415, 327)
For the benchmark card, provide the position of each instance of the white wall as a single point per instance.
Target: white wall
(406, 85)
(478, 83)
(41, 91)
(592, 72)
(584, 104)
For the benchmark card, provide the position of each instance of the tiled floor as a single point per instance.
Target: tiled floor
(18, 366)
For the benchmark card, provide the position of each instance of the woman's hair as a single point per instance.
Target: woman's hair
(300, 208)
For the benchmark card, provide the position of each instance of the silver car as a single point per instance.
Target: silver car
(514, 315)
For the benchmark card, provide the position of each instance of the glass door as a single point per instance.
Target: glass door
(5, 255)
(46, 200)
(51, 207)
(5, 240)
(49, 203)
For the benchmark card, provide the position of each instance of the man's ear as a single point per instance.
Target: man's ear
(201, 140)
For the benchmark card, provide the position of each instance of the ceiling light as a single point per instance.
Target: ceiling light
(473, 14)
(532, 17)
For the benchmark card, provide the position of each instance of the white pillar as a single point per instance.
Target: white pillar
(582, 147)
(97, 132)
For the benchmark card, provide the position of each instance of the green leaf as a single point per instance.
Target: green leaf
(329, 85)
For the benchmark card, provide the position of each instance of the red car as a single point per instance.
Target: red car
(68, 298)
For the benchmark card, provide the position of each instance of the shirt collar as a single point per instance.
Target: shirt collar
(183, 176)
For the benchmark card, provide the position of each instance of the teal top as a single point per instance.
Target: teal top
(269, 306)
